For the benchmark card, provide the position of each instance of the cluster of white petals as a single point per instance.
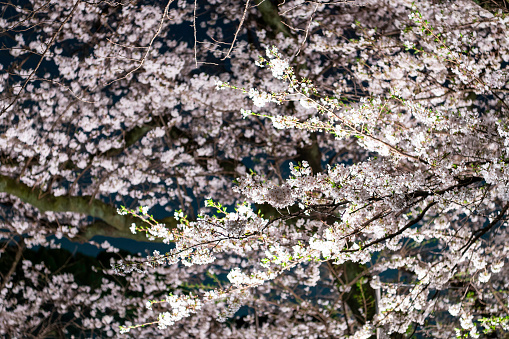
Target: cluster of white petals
(370, 159)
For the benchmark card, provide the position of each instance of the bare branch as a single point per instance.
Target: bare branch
(42, 57)
(238, 30)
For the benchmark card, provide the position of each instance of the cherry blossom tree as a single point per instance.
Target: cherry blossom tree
(368, 141)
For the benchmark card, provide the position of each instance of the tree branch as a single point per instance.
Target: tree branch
(19, 253)
(485, 230)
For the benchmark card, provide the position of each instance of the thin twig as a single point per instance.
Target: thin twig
(48, 46)
(149, 47)
(307, 30)
(194, 31)
(238, 30)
